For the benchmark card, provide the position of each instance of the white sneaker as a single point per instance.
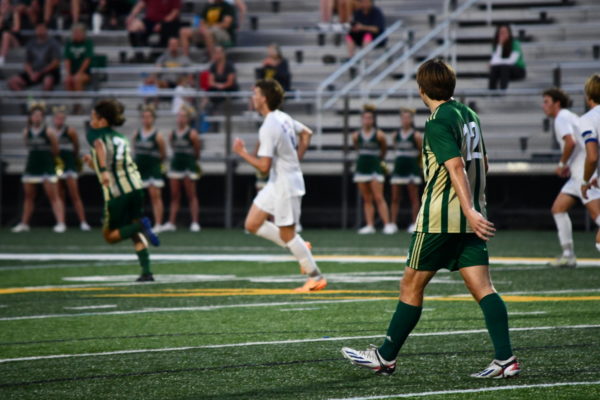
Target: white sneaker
(168, 227)
(59, 228)
(564, 261)
(390, 229)
(500, 369)
(195, 227)
(371, 359)
(157, 228)
(85, 227)
(324, 26)
(366, 230)
(411, 228)
(21, 227)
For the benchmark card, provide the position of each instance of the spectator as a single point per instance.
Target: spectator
(42, 62)
(507, 63)
(216, 28)
(344, 11)
(162, 17)
(276, 67)
(31, 9)
(172, 58)
(367, 23)
(240, 15)
(10, 25)
(222, 76)
(74, 7)
(78, 54)
(115, 12)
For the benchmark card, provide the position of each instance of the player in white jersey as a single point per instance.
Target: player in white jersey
(567, 131)
(283, 142)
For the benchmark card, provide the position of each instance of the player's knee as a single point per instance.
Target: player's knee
(251, 225)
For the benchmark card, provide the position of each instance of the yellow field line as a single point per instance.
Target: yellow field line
(37, 290)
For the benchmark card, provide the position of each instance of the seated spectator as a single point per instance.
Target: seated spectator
(29, 11)
(276, 67)
(161, 17)
(74, 7)
(10, 25)
(115, 12)
(367, 23)
(42, 62)
(216, 28)
(172, 58)
(78, 54)
(344, 12)
(241, 9)
(507, 63)
(222, 76)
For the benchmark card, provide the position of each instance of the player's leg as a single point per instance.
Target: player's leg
(258, 224)
(73, 188)
(58, 208)
(395, 205)
(141, 250)
(367, 197)
(29, 202)
(175, 186)
(157, 204)
(378, 197)
(560, 208)
(189, 186)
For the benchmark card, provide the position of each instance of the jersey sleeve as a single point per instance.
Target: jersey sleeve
(299, 127)
(562, 127)
(442, 141)
(267, 141)
(588, 130)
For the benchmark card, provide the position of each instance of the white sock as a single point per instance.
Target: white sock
(597, 220)
(270, 231)
(302, 253)
(598, 246)
(565, 232)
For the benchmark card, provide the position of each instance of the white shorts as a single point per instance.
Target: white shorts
(285, 210)
(159, 183)
(405, 180)
(573, 188)
(39, 178)
(193, 175)
(360, 178)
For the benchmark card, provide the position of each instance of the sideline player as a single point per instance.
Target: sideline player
(121, 183)
(567, 131)
(283, 142)
(452, 229)
(407, 143)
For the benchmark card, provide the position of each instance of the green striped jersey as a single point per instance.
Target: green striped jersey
(368, 145)
(406, 144)
(452, 130)
(124, 175)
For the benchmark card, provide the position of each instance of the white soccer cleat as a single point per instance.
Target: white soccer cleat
(564, 261)
(390, 229)
(500, 369)
(157, 228)
(411, 228)
(366, 230)
(59, 228)
(21, 227)
(85, 227)
(168, 227)
(371, 359)
(195, 227)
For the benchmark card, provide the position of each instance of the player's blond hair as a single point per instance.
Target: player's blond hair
(35, 105)
(149, 108)
(188, 110)
(592, 88)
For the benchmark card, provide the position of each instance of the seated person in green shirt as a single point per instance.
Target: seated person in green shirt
(507, 63)
(78, 54)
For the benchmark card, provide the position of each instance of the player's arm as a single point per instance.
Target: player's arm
(162, 147)
(196, 143)
(53, 142)
(419, 144)
(589, 166)
(382, 144)
(355, 140)
(262, 164)
(562, 169)
(304, 141)
(101, 160)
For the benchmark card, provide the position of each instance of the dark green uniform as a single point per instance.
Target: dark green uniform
(40, 160)
(65, 145)
(368, 164)
(147, 158)
(406, 165)
(443, 238)
(184, 161)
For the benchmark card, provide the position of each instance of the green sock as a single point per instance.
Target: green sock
(496, 321)
(129, 230)
(403, 322)
(144, 258)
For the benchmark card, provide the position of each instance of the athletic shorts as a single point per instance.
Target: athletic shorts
(123, 210)
(406, 170)
(285, 210)
(573, 188)
(434, 251)
(39, 178)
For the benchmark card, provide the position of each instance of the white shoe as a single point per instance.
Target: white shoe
(195, 227)
(564, 261)
(85, 227)
(59, 228)
(371, 359)
(390, 229)
(157, 228)
(366, 230)
(500, 369)
(168, 227)
(411, 228)
(324, 26)
(21, 227)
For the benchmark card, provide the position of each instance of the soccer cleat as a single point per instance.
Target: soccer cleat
(411, 228)
(21, 227)
(85, 227)
(500, 369)
(366, 230)
(312, 285)
(168, 227)
(157, 228)
(371, 359)
(390, 229)
(59, 228)
(145, 278)
(564, 261)
(195, 227)
(148, 232)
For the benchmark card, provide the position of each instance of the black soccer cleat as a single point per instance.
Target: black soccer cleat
(145, 278)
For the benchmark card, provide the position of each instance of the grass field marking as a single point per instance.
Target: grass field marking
(301, 309)
(465, 391)
(528, 313)
(278, 342)
(101, 306)
(50, 289)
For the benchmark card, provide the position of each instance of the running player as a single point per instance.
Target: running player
(283, 142)
(42, 165)
(185, 167)
(567, 131)
(407, 143)
(121, 183)
(371, 145)
(150, 153)
(68, 143)
(451, 230)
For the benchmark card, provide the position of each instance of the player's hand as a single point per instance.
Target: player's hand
(105, 178)
(563, 172)
(87, 159)
(586, 186)
(483, 228)
(239, 147)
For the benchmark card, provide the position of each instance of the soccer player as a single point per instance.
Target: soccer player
(68, 144)
(185, 167)
(283, 142)
(567, 131)
(451, 230)
(121, 183)
(371, 145)
(42, 165)
(407, 143)
(150, 152)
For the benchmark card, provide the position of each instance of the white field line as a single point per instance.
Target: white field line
(301, 309)
(91, 307)
(528, 313)
(277, 342)
(464, 391)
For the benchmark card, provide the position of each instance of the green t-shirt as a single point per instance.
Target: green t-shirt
(78, 52)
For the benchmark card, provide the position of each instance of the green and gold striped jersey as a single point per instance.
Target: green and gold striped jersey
(452, 130)
(124, 175)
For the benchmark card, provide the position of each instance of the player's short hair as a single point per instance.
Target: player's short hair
(273, 91)
(437, 79)
(111, 110)
(592, 88)
(559, 95)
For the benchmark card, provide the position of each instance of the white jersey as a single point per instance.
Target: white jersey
(567, 123)
(590, 126)
(277, 137)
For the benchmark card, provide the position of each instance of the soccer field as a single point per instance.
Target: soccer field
(221, 321)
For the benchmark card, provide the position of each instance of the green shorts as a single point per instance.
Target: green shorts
(434, 251)
(123, 210)
(70, 169)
